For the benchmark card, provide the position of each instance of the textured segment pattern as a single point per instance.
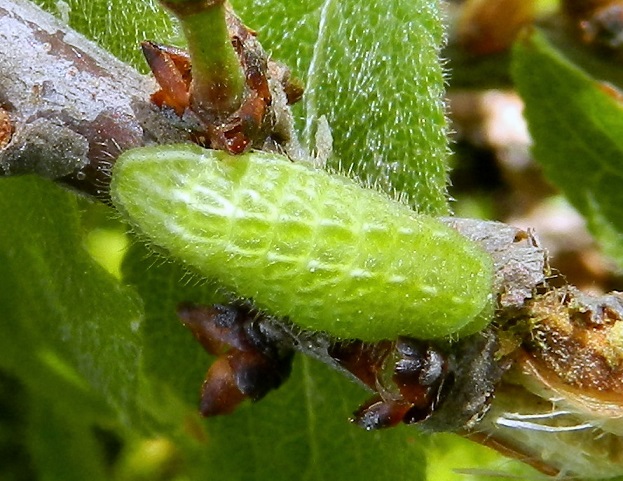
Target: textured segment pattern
(302, 243)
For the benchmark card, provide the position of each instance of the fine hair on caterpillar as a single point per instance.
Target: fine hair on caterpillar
(288, 236)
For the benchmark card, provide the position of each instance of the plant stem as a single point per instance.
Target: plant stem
(218, 79)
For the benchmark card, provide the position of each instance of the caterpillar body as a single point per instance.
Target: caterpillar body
(305, 244)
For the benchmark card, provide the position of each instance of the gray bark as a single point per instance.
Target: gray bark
(72, 107)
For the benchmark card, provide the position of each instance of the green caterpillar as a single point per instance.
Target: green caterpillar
(305, 244)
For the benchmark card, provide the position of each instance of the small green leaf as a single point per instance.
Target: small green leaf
(576, 128)
(304, 244)
(372, 69)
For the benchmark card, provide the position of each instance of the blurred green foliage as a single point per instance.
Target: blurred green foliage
(576, 124)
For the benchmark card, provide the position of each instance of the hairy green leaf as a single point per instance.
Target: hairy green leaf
(576, 128)
(372, 69)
